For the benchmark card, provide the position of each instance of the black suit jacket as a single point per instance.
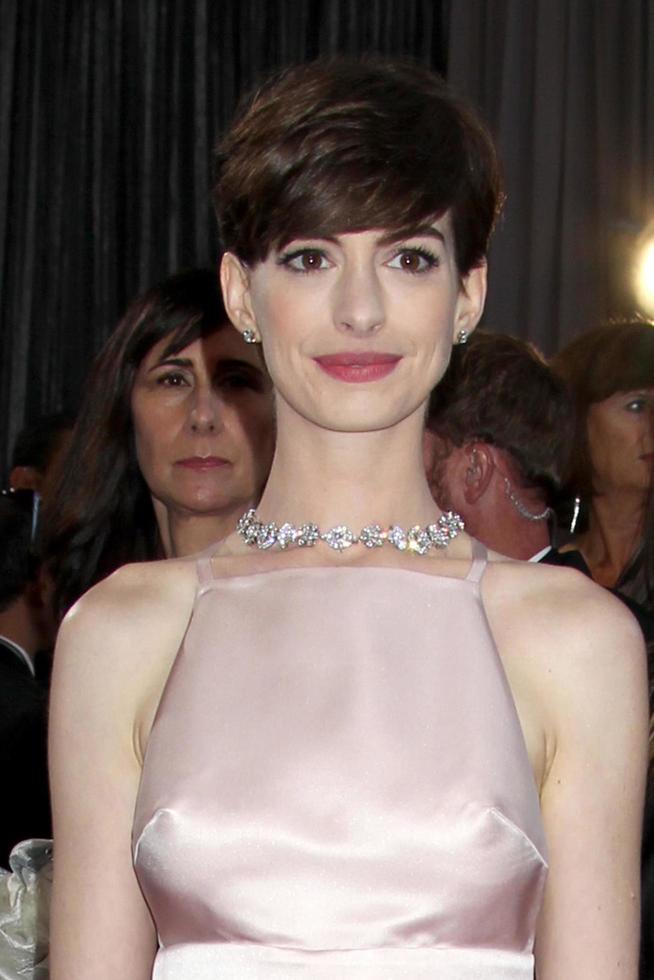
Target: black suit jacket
(25, 809)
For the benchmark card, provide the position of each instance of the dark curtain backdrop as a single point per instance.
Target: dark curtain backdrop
(568, 88)
(109, 110)
(108, 113)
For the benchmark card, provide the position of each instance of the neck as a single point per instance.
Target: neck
(501, 527)
(514, 536)
(615, 527)
(185, 534)
(354, 478)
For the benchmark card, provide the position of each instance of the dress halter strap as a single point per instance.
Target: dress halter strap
(479, 562)
(204, 570)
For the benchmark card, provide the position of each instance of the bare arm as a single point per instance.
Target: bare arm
(105, 662)
(592, 798)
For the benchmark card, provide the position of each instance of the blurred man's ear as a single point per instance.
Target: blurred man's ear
(479, 468)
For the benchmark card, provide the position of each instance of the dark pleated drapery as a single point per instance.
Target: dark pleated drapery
(109, 110)
(567, 87)
(108, 113)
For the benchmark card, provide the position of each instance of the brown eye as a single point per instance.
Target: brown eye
(410, 261)
(172, 380)
(414, 260)
(312, 260)
(305, 260)
(636, 405)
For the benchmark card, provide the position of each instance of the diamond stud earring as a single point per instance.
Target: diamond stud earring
(249, 336)
(461, 337)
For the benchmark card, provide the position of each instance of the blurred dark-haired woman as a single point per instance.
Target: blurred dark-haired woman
(610, 373)
(174, 439)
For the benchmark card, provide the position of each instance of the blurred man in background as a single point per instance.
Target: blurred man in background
(25, 628)
(497, 443)
(38, 449)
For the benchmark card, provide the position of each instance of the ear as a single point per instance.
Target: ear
(480, 466)
(470, 301)
(235, 284)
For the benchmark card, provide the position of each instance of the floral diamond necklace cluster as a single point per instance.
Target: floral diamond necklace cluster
(419, 540)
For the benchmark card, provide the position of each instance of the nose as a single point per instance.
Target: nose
(358, 304)
(205, 413)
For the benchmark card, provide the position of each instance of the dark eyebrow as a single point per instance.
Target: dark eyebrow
(423, 231)
(183, 362)
(306, 238)
(419, 231)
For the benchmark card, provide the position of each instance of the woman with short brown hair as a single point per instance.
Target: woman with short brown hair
(351, 741)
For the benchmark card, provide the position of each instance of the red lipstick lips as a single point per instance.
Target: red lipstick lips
(202, 462)
(358, 366)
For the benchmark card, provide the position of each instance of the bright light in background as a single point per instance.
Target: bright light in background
(644, 272)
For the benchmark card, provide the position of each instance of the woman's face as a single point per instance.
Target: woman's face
(203, 424)
(356, 329)
(621, 441)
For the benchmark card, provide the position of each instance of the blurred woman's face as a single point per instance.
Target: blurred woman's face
(621, 442)
(203, 424)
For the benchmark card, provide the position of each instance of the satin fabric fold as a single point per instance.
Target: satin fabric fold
(336, 781)
(244, 962)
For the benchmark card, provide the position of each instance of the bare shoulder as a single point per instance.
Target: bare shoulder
(574, 657)
(113, 655)
(150, 597)
(579, 647)
(119, 640)
(560, 602)
(139, 585)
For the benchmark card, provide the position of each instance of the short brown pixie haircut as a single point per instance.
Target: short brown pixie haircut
(342, 145)
(499, 390)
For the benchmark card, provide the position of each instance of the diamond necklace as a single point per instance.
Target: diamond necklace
(417, 539)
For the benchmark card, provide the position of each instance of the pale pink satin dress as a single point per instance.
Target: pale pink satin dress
(337, 786)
